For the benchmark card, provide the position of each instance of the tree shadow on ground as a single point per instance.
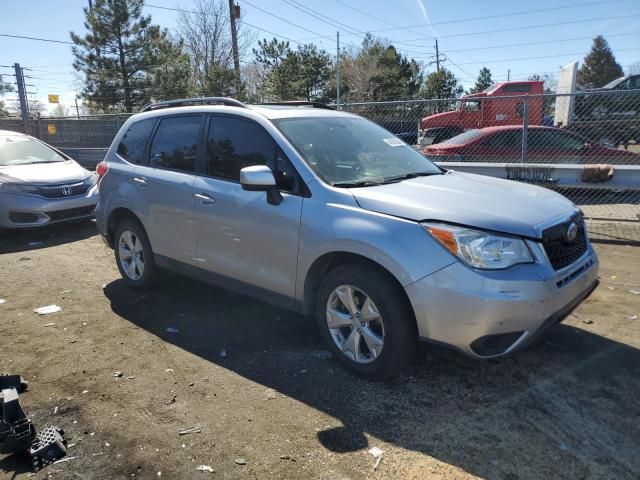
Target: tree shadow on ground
(571, 401)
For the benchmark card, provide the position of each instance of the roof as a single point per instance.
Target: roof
(12, 133)
(488, 130)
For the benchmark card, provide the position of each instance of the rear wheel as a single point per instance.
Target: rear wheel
(366, 321)
(600, 112)
(134, 256)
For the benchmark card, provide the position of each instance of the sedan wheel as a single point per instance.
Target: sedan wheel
(131, 255)
(600, 112)
(355, 324)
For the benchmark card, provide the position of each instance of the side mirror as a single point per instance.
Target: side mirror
(259, 178)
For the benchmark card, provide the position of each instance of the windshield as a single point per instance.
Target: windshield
(463, 138)
(19, 150)
(347, 151)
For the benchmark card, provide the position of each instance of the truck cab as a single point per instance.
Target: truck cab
(500, 104)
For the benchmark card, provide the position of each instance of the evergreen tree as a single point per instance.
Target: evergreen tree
(599, 67)
(271, 55)
(483, 82)
(442, 84)
(119, 54)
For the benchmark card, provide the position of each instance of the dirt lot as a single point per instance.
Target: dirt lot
(565, 409)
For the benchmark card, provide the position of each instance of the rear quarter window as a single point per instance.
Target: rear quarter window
(134, 141)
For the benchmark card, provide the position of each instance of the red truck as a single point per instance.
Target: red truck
(490, 108)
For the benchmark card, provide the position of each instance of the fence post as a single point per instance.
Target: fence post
(525, 128)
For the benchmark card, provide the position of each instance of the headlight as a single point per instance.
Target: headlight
(480, 249)
(17, 188)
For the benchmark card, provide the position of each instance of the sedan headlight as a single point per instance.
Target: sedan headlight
(8, 187)
(480, 249)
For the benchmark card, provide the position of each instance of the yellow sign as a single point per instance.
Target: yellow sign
(54, 98)
(51, 128)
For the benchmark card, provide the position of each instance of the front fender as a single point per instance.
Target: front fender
(400, 246)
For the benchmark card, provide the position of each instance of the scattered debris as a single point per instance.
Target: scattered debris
(587, 321)
(169, 370)
(633, 317)
(48, 309)
(635, 292)
(35, 244)
(2, 300)
(117, 374)
(376, 453)
(223, 353)
(205, 468)
(172, 330)
(65, 291)
(50, 324)
(55, 410)
(49, 444)
(84, 392)
(240, 461)
(67, 459)
(287, 457)
(187, 431)
(270, 393)
(131, 377)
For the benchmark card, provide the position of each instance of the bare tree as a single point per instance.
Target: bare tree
(206, 32)
(60, 110)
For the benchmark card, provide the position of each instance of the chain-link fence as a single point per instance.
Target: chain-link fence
(584, 145)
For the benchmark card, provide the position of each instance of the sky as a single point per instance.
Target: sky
(520, 37)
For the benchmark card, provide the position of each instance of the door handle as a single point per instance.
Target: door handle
(141, 181)
(204, 198)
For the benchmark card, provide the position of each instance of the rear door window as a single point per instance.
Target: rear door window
(134, 141)
(175, 143)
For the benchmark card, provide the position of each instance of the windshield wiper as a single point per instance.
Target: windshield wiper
(407, 176)
(362, 183)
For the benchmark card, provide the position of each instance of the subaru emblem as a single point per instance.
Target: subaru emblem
(572, 233)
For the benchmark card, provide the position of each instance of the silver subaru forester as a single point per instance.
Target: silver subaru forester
(329, 214)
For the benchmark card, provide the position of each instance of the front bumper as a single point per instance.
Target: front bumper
(492, 313)
(28, 211)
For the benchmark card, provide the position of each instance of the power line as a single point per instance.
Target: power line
(537, 58)
(22, 37)
(285, 20)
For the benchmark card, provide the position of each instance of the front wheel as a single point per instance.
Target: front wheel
(366, 321)
(134, 256)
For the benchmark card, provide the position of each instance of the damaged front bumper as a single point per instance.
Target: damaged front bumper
(492, 313)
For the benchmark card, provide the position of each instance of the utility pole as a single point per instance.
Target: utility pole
(437, 56)
(22, 96)
(338, 71)
(234, 13)
(77, 109)
(508, 74)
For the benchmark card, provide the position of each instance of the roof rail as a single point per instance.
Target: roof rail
(230, 102)
(300, 103)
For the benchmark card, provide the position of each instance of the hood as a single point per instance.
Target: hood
(444, 119)
(44, 173)
(467, 199)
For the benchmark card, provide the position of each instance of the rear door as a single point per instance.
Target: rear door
(504, 146)
(239, 234)
(554, 146)
(167, 182)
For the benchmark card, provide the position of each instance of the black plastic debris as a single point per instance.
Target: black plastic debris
(16, 430)
(49, 444)
(18, 434)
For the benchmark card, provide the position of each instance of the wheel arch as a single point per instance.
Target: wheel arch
(327, 262)
(117, 216)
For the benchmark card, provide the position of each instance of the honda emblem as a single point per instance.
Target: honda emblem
(66, 190)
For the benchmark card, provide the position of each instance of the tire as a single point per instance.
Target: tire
(143, 272)
(395, 323)
(600, 112)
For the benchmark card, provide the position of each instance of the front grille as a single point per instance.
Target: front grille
(63, 191)
(561, 252)
(70, 213)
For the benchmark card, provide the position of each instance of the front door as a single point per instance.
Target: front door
(239, 235)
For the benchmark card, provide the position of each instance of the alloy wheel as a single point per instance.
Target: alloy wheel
(131, 255)
(355, 324)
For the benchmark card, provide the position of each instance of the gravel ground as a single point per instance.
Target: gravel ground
(258, 383)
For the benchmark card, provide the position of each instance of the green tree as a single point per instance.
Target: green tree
(118, 55)
(271, 55)
(442, 84)
(4, 88)
(169, 79)
(599, 67)
(483, 82)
